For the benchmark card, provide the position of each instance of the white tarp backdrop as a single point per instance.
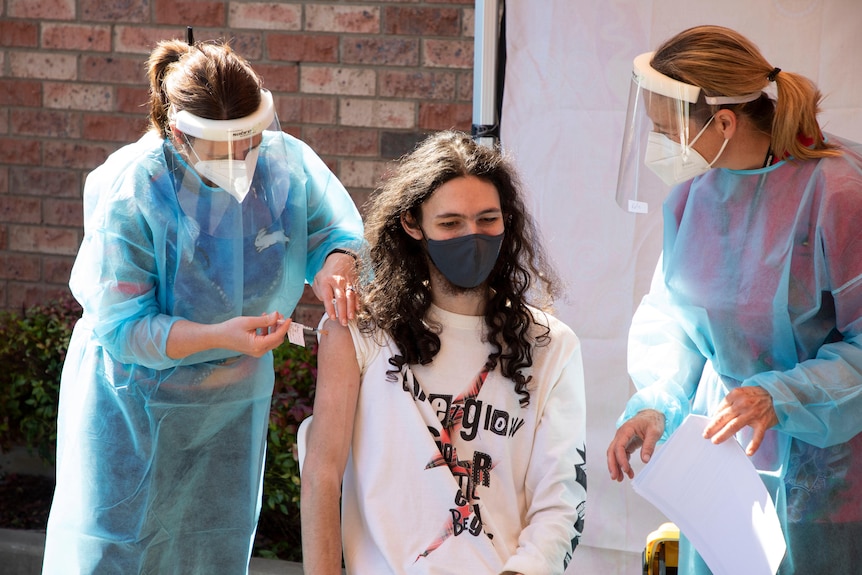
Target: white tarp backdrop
(566, 89)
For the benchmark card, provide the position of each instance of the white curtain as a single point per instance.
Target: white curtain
(567, 81)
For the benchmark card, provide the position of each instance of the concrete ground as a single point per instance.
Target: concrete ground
(21, 554)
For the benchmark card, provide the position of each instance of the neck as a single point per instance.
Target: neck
(750, 149)
(453, 299)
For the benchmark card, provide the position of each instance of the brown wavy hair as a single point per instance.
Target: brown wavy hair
(208, 79)
(396, 280)
(723, 62)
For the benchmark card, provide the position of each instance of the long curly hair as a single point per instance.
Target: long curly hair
(396, 277)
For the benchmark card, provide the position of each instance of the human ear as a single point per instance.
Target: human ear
(726, 122)
(411, 226)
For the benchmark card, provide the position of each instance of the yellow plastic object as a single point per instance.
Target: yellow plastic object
(661, 554)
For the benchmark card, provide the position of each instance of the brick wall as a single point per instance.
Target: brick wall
(359, 81)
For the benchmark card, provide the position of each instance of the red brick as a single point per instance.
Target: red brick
(377, 113)
(57, 269)
(447, 53)
(21, 295)
(15, 209)
(302, 47)
(47, 123)
(4, 121)
(265, 16)
(142, 39)
(349, 19)
(113, 128)
(20, 93)
(362, 174)
(43, 9)
(23, 267)
(132, 100)
(423, 84)
(380, 50)
(342, 141)
(279, 77)
(113, 11)
(464, 92)
(343, 81)
(76, 37)
(307, 109)
(43, 239)
(198, 13)
(21, 151)
(18, 34)
(78, 96)
(113, 70)
(76, 155)
(421, 21)
(434, 116)
(45, 65)
(69, 213)
(249, 45)
(4, 180)
(45, 182)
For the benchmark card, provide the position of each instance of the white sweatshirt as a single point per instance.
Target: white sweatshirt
(506, 494)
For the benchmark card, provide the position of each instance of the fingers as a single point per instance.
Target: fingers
(743, 406)
(618, 456)
(651, 436)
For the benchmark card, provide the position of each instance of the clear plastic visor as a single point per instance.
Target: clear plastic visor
(224, 152)
(657, 104)
(233, 182)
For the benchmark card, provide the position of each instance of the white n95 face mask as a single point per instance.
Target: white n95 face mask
(233, 176)
(672, 162)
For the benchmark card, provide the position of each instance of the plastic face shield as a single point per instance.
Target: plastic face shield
(228, 174)
(224, 152)
(659, 105)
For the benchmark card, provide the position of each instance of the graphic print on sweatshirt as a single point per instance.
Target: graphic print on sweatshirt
(464, 414)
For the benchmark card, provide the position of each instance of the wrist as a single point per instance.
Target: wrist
(352, 254)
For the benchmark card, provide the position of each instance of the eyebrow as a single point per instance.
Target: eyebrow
(460, 215)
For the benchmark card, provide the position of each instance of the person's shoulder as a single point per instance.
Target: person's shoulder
(130, 156)
(557, 329)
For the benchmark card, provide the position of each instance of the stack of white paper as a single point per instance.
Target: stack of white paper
(715, 497)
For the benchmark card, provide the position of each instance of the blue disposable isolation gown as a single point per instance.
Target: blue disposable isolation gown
(160, 461)
(760, 284)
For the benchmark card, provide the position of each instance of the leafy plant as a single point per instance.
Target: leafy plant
(33, 348)
(292, 401)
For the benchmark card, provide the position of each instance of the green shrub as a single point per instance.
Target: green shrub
(292, 401)
(33, 346)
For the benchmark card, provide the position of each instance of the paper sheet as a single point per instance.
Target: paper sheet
(715, 496)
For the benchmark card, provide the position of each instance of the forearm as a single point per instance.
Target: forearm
(321, 524)
(187, 338)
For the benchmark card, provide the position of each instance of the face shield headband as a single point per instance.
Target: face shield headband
(658, 131)
(225, 152)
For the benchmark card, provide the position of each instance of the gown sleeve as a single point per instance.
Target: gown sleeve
(663, 362)
(114, 276)
(333, 220)
(818, 400)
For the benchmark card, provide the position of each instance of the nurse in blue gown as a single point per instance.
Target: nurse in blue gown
(199, 239)
(754, 317)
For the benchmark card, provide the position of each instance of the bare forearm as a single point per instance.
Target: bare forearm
(251, 335)
(187, 337)
(321, 529)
